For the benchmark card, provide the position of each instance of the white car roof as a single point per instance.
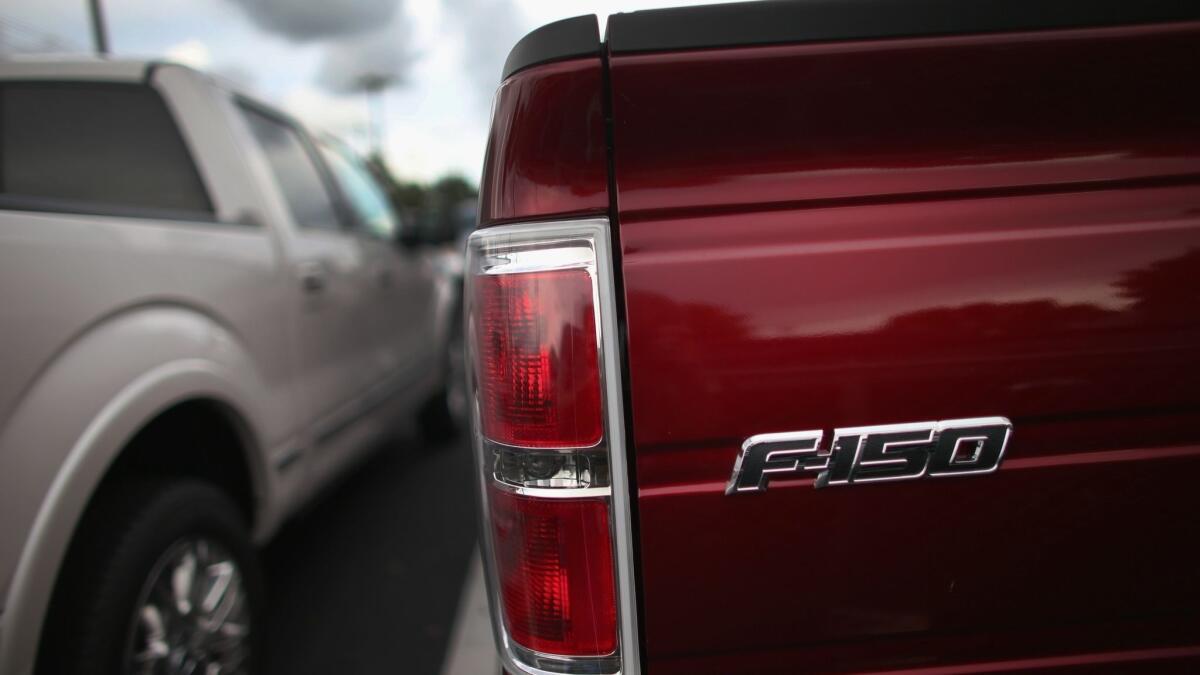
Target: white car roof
(76, 67)
(73, 67)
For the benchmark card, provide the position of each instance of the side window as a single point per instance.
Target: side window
(298, 177)
(94, 147)
(368, 201)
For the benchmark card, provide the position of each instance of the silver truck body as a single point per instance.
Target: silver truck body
(312, 344)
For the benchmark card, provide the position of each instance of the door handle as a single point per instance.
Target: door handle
(313, 277)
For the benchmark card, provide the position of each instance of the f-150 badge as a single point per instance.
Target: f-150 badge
(873, 454)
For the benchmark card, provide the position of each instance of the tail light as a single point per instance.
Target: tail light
(549, 445)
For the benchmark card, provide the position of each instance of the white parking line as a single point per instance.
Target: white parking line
(472, 650)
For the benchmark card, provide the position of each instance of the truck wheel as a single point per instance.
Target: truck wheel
(446, 413)
(162, 579)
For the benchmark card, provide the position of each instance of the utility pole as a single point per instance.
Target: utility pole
(99, 31)
(376, 103)
(374, 86)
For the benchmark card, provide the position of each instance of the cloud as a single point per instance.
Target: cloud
(192, 53)
(365, 43)
(339, 115)
(303, 20)
(42, 26)
(489, 28)
(374, 60)
(237, 75)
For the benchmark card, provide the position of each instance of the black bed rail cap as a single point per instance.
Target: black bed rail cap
(566, 39)
(799, 21)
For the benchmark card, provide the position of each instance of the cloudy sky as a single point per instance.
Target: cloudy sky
(442, 57)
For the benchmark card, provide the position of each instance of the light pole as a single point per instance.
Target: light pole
(374, 86)
(99, 31)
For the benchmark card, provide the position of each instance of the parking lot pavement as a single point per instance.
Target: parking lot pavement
(369, 580)
(472, 649)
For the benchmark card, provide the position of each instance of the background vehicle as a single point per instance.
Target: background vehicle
(736, 220)
(206, 319)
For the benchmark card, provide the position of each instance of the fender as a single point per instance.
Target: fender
(82, 417)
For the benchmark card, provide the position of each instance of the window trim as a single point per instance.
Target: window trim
(66, 205)
(341, 209)
(357, 224)
(79, 207)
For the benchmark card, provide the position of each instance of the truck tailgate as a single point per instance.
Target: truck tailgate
(874, 232)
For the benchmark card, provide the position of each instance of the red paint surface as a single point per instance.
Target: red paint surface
(747, 128)
(907, 230)
(546, 152)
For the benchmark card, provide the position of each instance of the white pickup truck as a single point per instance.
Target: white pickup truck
(206, 314)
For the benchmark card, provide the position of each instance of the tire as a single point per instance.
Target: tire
(444, 416)
(124, 588)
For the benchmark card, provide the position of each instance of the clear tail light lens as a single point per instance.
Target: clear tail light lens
(548, 443)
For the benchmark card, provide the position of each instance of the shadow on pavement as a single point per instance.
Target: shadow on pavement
(369, 579)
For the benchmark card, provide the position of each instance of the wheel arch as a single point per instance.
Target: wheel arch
(201, 437)
(210, 379)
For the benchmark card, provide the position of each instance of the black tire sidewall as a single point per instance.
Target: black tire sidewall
(119, 541)
(436, 420)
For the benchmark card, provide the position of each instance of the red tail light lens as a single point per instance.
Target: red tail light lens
(554, 562)
(540, 376)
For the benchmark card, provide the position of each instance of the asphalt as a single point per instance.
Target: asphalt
(369, 579)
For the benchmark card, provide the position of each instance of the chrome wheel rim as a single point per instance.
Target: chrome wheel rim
(192, 616)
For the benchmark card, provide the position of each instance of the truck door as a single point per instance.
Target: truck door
(400, 280)
(330, 269)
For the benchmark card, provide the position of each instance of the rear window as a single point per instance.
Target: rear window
(100, 147)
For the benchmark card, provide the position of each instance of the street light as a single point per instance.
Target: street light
(374, 84)
(99, 31)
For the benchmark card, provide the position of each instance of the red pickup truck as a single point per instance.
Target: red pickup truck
(855, 335)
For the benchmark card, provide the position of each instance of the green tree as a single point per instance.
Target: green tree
(438, 210)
